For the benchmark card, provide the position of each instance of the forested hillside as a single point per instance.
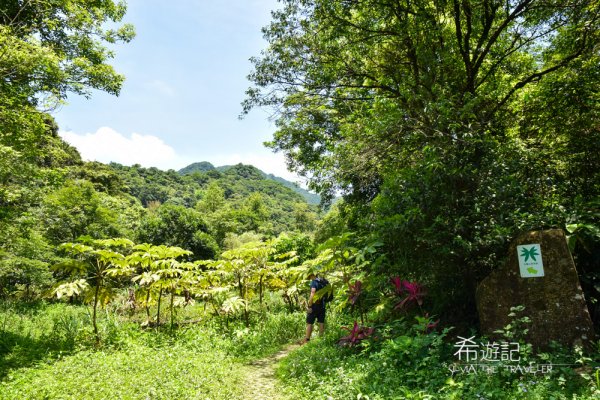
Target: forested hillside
(60, 198)
(204, 166)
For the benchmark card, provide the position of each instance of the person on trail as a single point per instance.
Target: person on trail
(316, 308)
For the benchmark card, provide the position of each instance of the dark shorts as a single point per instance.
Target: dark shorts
(318, 313)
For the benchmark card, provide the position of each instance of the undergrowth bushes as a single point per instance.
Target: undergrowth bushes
(266, 337)
(50, 351)
(403, 362)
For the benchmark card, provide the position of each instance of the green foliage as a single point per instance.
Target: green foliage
(250, 270)
(45, 206)
(31, 164)
(234, 201)
(270, 332)
(24, 259)
(92, 270)
(517, 329)
(583, 236)
(233, 241)
(310, 198)
(438, 122)
(404, 362)
(152, 185)
(382, 79)
(35, 332)
(304, 218)
(175, 225)
(76, 210)
(44, 353)
(203, 166)
(51, 49)
(233, 305)
(103, 177)
(137, 373)
(48, 51)
(300, 244)
(332, 224)
(213, 199)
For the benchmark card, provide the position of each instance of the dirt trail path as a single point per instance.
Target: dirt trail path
(260, 382)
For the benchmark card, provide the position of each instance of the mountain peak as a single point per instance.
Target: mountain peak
(201, 166)
(251, 172)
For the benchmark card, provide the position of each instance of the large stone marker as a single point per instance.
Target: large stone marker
(546, 284)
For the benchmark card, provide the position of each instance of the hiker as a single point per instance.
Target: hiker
(316, 308)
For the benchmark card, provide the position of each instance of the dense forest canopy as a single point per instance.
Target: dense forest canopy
(49, 196)
(48, 51)
(448, 125)
(199, 211)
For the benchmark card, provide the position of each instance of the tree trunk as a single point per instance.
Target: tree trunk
(246, 315)
(171, 305)
(158, 310)
(96, 294)
(240, 286)
(148, 305)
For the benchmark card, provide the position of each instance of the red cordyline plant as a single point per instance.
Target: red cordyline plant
(354, 291)
(397, 282)
(412, 290)
(430, 325)
(357, 334)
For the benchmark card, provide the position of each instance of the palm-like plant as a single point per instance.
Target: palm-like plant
(90, 270)
(159, 269)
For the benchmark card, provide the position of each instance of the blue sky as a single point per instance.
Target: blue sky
(185, 79)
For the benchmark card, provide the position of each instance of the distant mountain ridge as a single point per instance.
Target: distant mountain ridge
(205, 166)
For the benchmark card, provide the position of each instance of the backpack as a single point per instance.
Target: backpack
(321, 284)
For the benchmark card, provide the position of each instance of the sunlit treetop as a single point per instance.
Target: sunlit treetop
(51, 48)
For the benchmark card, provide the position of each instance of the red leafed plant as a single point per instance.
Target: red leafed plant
(431, 326)
(357, 334)
(354, 291)
(412, 290)
(397, 282)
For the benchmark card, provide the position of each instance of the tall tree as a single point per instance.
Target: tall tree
(407, 108)
(356, 81)
(52, 48)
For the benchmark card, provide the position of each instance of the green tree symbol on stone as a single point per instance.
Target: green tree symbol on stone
(532, 252)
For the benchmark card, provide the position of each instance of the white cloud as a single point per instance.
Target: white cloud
(106, 145)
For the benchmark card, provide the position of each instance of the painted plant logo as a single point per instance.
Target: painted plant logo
(531, 252)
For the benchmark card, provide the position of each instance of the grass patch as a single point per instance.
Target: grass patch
(48, 351)
(137, 372)
(37, 332)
